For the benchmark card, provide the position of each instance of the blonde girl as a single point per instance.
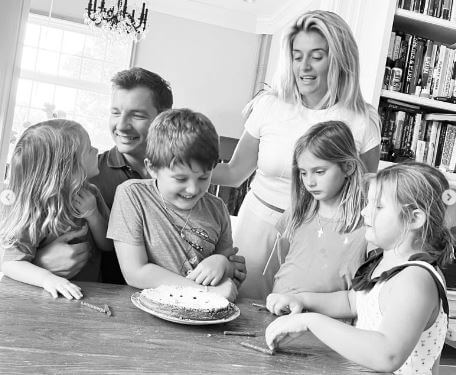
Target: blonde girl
(324, 226)
(398, 295)
(317, 80)
(50, 194)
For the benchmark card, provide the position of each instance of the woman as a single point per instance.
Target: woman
(317, 80)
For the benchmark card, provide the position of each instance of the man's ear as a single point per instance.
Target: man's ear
(152, 172)
(418, 219)
(349, 168)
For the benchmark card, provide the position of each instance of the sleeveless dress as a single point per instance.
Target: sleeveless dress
(430, 343)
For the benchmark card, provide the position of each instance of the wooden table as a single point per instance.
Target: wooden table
(41, 335)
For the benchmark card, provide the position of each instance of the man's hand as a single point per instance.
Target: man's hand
(64, 259)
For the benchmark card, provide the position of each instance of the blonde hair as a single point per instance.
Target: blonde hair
(420, 186)
(331, 141)
(46, 172)
(343, 73)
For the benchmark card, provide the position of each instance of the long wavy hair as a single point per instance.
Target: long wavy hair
(344, 68)
(331, 141)
(419, 186)
(46, 171)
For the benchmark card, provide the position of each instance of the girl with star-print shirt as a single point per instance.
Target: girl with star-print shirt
(324, 228)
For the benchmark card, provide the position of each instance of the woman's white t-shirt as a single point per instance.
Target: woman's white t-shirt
(278, 125)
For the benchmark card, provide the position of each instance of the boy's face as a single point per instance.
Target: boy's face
(132, 112)
(182, 186)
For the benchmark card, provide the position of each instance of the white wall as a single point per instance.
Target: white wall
(211, 69)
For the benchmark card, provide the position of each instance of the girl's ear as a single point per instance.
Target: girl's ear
(418, 219)
(152, 172)
(349, 168)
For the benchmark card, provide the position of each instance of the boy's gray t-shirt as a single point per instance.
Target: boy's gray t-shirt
(174, 239)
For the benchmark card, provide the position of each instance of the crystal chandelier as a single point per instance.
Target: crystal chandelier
(115, 20)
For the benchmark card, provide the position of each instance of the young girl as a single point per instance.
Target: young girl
(51, 196)
(324, 227)
(398, 295)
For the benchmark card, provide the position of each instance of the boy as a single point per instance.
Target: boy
(169, 229)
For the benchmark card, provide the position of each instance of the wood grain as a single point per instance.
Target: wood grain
(45, 335)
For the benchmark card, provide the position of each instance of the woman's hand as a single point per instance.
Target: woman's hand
(280, 304)
(56, 284)
(210, 270)
(284, 329)
(85, 203)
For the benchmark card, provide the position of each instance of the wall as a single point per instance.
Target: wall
(211, 69)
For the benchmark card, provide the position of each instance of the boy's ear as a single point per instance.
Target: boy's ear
(349, 168)
(150, 170)
(418, 219)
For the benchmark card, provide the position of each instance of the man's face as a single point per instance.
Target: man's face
(132, 112)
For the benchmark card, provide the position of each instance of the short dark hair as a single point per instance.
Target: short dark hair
(161, 90)
(180, 136)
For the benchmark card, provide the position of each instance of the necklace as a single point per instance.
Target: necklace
(181, 233)
(320, 231)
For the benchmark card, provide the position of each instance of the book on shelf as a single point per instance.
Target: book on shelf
(443, 9)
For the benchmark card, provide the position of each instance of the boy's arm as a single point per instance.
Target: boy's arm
(138, 272)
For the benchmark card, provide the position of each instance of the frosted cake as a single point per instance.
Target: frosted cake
(186, 303)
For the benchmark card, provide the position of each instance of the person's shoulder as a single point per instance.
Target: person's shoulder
(136, 185)
(213, 200)
(413, 279)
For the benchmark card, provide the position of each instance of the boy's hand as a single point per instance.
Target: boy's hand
(284, 329)
(210, 270)
(56, 284)
(86, 203)
(227, 288)
(280, 304)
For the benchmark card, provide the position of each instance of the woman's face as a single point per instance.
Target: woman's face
(310, 66)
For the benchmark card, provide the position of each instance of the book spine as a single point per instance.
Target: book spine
(438, 71)
(426, 63)
(416, 131)
(421, 151)
(435, 127)
(417, 67)
(446, 58)
(440, 143)
(448, 146)
(410, 63)
(399, 126)
(448, 75)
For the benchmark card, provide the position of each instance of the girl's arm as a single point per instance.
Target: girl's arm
(138, 272)
(407, 302)
(26, 272)
(340, 304)
(242, 164)
(86, 203)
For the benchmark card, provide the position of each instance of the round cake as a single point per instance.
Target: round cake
(186, 303)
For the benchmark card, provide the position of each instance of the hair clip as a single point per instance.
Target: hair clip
(449, 197)
(7, 197)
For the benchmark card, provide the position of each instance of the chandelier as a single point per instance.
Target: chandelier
(115, 20)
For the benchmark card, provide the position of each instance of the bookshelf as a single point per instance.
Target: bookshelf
(408, 23)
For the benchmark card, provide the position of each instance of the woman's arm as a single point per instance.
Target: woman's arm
(371, 159)
(242, 164)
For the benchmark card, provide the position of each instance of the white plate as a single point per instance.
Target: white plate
(136, 301)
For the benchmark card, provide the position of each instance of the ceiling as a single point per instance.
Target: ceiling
(255, 16)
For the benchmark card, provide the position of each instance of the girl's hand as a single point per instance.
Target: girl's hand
(86, 203)
(284, 329)
(210, 270)
(56, 284)
(280, 304)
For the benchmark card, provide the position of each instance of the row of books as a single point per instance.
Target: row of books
(420, 66)
(409, 133)
(445, 9)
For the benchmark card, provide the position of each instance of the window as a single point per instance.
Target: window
(66, 70)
